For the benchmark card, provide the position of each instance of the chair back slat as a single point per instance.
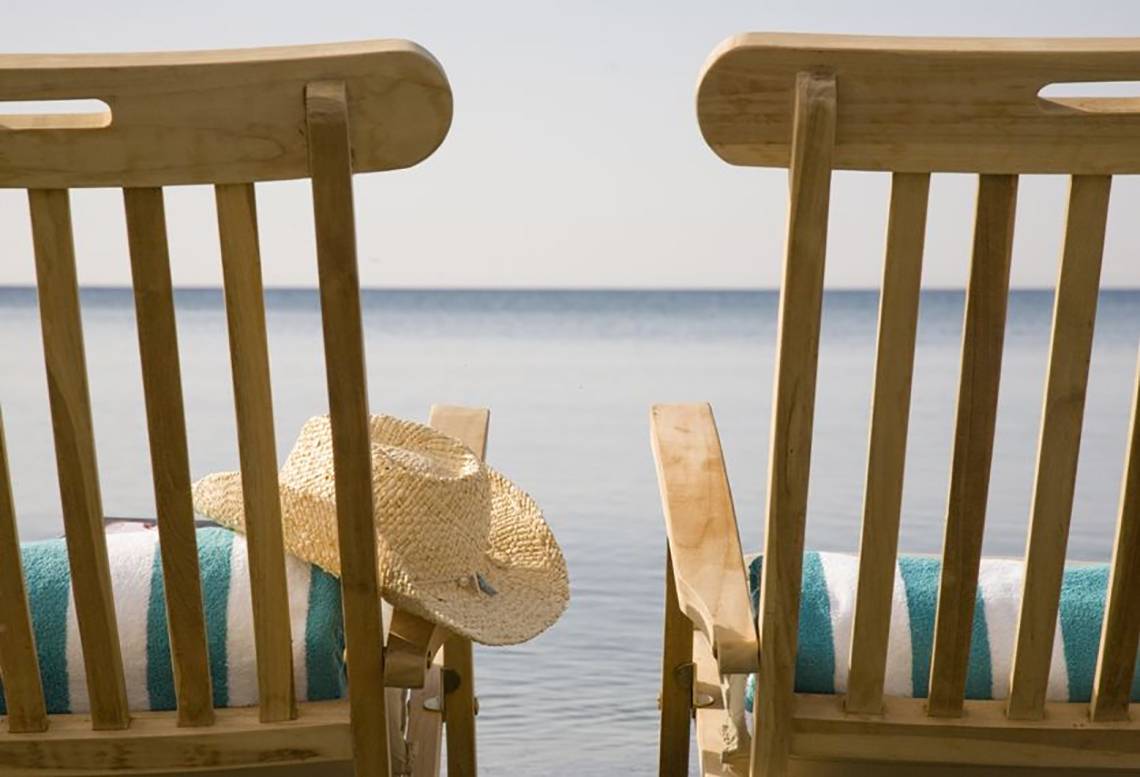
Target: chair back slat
(257, 447)
(330, 166)
(1074, 313)
(928, 104)
(19, 665)
(1120, 635)
(75, 455)
(801, 296)
(987, 294)
(215, 116)
(890, 411)
(170, 458)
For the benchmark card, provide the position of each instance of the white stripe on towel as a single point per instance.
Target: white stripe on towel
(1000, 581)
(898, 680)
(297, 577)
(242, 685)
(841, 575)
(131, 569)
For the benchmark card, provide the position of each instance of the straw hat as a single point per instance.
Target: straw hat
(456, 542)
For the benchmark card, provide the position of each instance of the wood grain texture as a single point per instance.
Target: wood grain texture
(983, 737)
(425, 726)
(330, 165)
(789, 458)
(75, 455)
(1120, 634)
(886, 458)
(723, 749)
(704, 542)
(257, 447)
(469, 426)
(676, 682)
(928, 104)
(412, 641)
(1074, 313)
(19, 666)
(216, 116)
(170, 458)
(987, 294)
(156, 744)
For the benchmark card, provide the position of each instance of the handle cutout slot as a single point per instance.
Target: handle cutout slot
(1093, 96)
(54, 114)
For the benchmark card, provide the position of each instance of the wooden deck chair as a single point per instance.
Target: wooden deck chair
(910, 107)
(228, 119)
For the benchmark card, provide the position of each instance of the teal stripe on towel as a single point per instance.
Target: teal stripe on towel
(979, 674)
(47, 579)
(214, 545)
(324, 638)
(215, 548)
(1083, 590)
(159, 673)
(920, 578)
(815, 656)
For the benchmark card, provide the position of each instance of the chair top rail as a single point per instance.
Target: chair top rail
(928, 104)
(214, 116)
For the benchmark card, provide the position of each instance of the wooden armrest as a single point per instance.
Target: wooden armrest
(708, 564)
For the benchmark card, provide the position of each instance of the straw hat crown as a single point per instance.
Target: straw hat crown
(456, 542)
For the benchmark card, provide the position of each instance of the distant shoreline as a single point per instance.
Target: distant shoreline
(566, 290)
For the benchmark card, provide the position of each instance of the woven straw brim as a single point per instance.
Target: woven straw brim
(525, 566)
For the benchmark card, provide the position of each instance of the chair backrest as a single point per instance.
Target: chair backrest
(913, 107)
(227, 118)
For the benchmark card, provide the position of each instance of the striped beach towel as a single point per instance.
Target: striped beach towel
(827, 607)
(136, 577)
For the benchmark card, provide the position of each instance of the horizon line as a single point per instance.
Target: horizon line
(550, 289)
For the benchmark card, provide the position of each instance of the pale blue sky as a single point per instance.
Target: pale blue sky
(574, 157)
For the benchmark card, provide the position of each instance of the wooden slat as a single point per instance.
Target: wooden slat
(412, 641)
(330, 165)
(207, 117)
(425, 726)
(257, 448)
(929, 104)
(469, 425)
(704, 543)
(982, 737)
(1074, 312)
(1120, 635)
(676, 682)
(789, 456)
(986, 296)
(170, 459)
(75, 456)
(157, 745)
(23, 691)
(890, 412)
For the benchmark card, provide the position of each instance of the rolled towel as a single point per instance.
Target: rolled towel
(827, 610)
(140, 608)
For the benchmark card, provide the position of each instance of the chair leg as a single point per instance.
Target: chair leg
(395, 702)
(676, 683)
(459, 706)
(425, 722)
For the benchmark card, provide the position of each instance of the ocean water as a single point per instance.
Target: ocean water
(570, 377)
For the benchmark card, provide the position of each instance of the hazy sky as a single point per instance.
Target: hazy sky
(574, 158)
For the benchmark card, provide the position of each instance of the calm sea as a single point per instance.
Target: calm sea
(570, 377)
